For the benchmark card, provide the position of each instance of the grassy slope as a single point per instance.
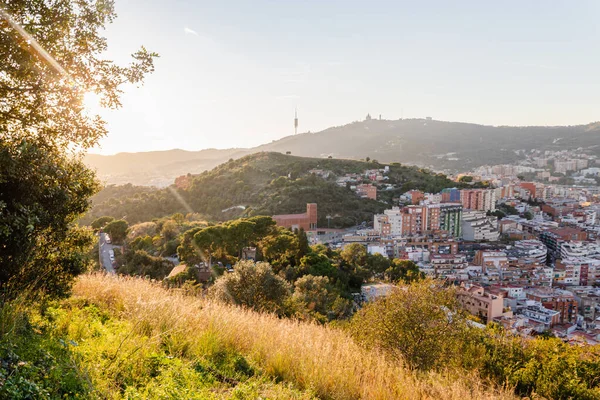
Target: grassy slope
(131, 338)
(260, 181)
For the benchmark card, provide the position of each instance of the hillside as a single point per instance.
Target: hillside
(439, 144)
(128, 338)
(265, 184)
(435, 144)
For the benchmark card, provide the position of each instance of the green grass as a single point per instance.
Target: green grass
(74, 349)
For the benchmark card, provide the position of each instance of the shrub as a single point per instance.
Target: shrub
(252, 285)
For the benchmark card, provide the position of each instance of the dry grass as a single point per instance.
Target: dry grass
(323, 360)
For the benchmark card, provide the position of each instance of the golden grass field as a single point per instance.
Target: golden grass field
(319, 359)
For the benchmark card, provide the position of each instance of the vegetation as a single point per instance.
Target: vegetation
(39, 240)
(129, 338)
(265, 184)
(423, 324)
(100, 223)
(252, 285)
(44, 186)
(117, 230)
(291, 278)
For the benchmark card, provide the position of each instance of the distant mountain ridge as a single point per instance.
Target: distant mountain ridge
(429, 143)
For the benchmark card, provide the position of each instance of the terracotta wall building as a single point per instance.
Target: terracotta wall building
(306, 221)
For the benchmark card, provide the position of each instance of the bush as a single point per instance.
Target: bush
(420, 323)
(252, 285)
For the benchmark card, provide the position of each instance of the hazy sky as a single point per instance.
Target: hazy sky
(231, 72)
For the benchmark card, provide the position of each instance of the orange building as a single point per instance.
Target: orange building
(478, 199)
(416, 196)
(529, 186)
(369, 191)
(306, 221)
(414, 220)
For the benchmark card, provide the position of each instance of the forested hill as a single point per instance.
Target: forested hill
(439, 145)
(265, 184)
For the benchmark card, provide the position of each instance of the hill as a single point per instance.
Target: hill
(438, 145)
(266, 184)
(129, 338)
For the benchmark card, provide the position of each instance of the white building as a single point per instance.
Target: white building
(579, 249)
(373, 291)
(477, 226)
(533, 250)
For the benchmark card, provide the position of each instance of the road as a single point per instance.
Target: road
(103, 249)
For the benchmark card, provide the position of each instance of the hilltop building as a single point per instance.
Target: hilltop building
(306, 221)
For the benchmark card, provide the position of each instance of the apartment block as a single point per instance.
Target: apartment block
(478, 199)
(558, 300)
(475, 300)
(477, 226)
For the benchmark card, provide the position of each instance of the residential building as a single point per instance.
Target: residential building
(451, 195)
(558, 300)
(588, 299)
(535, 311)
(367, 191)
(488, 259)
(389, 223)
(415, 196)
(578, 249)
(478, 199)
(528, 251)
(363, 236)
(579, 271)
(564, 166)
(530, 187)
(484, 305)
(373, 291)
(477, 226)
(554, 239)
(184, 181)
(445, 217)
(447, 264)
(381, 224)
(414, 220)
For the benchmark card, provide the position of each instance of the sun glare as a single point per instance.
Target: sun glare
(91, 102)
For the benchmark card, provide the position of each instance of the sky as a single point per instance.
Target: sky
(232, 72)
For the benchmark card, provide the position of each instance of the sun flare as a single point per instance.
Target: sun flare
(91, 102)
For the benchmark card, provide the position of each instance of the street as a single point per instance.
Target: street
(104, 253)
